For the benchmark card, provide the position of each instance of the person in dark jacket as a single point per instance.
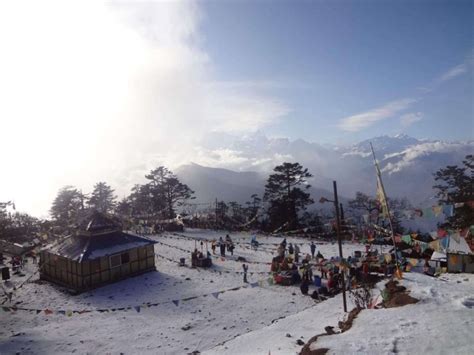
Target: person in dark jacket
(222, 246)
(313, 249)
(245, 268)
(304, 287)
(290, 249)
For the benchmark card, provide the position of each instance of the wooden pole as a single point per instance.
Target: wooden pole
(338, 233)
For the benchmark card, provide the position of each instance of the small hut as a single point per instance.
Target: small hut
(97, 254)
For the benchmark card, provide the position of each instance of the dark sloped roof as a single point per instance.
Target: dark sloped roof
(88, 247)
(98, 235)
(97, 222)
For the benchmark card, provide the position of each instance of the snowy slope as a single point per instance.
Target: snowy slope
(240, 319)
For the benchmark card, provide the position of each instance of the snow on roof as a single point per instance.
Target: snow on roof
(82, 247)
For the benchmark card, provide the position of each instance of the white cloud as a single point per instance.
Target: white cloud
(366, 119)
(452, 73)
(448, 75)
(91, 91)
(410, 118)
(409, 156)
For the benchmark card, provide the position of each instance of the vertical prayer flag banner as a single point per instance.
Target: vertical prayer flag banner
(270, 280)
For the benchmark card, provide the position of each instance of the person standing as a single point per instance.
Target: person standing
(290, 249)
(213, 246)
(222, 246)
(297, 253)
(313, 249)
(245, 267)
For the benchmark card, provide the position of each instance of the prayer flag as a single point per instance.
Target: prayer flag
(444, 242)
(428, 212)
(215, 294)
(69, 313)
(456, 236)
(407, 239)
(442, 233)
(137, 308)
(435, 245)
(448, 210)
(176, 302)
(48, 311)
(437, 210)
(413, 261)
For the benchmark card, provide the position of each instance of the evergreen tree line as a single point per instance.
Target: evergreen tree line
(283, 206)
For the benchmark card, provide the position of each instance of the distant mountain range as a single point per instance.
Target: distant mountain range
(242, 166)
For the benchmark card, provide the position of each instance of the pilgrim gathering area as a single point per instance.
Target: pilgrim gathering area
(158, 273)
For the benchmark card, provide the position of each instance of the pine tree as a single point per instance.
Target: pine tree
(456, 185)
(102, 198)
(167, 192)
(285, 192)
(67, 206)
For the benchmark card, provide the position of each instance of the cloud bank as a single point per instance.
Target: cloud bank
(96, 91)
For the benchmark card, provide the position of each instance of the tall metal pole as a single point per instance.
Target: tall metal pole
(338, 233)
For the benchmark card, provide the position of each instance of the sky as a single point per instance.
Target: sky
(94, 91)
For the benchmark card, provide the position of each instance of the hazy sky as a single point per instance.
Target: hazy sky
(94, 91)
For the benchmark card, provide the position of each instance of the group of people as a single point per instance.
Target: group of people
(223, 245)
(288, 269)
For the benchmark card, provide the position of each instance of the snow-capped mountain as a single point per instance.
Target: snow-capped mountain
(407, 165)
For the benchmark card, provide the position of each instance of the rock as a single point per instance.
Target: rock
(300, 342)
(186, 327)
(288, 335)
(329, 330)
(187, 278)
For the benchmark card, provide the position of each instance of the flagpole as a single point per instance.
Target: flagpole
(379, 175)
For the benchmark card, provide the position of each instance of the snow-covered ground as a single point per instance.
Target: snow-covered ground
(177, 310)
